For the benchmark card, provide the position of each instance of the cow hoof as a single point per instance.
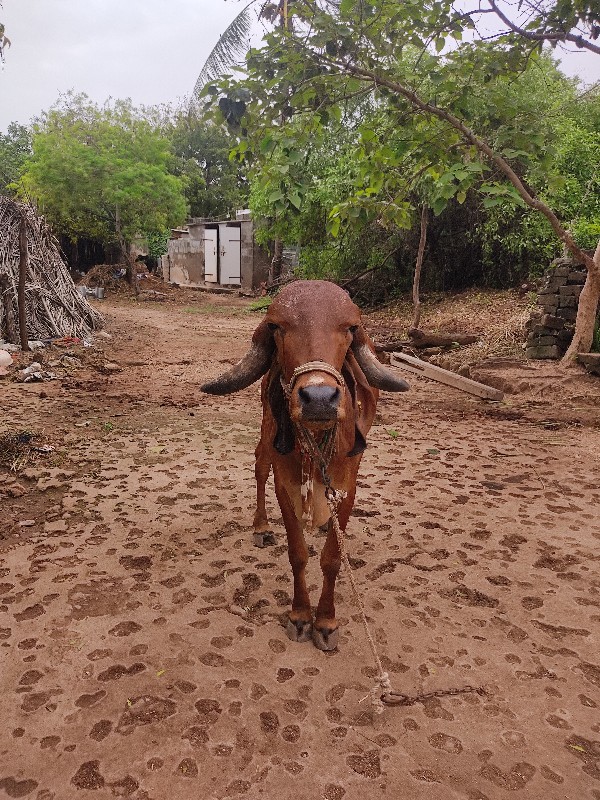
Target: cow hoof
(264, 539)
(299, 631)
(325, 639)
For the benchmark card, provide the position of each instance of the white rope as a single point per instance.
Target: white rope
(383, 685)
(334, 497)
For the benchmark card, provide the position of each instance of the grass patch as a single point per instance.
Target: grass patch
(261, 304)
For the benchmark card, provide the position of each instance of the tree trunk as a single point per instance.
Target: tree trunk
(277, 261)
(131, 268)
(419, 264)
(75, 255)
(23, 261)
(586, 312)
(131, 273)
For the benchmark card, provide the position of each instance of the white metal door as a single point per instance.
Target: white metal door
(230, 254)
(210, 255)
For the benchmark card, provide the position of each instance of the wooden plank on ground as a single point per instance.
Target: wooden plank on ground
(427, 370)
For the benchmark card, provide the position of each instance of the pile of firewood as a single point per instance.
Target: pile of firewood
(38, 299)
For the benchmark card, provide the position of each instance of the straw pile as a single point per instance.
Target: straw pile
(54, 307)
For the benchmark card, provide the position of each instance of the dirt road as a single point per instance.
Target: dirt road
(143, 653)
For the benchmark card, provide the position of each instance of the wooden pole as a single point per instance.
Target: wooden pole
(418, 266)
(11, 329)
(427, 370)
(23, 263)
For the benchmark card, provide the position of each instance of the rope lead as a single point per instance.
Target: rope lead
(383, 687)
(322, 453)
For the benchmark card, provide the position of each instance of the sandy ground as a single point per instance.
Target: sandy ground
(143, 653)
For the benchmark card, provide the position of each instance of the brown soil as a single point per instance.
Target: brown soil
(143, 649)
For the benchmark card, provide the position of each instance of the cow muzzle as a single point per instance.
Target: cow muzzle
(315, 400)
(319, 403)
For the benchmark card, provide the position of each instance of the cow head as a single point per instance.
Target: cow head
(308, 331)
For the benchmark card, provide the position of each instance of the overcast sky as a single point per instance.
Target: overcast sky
(148, 50)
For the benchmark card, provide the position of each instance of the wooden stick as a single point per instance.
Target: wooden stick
(22, 279)
(418, 266)
(427, 370)
(11, 331)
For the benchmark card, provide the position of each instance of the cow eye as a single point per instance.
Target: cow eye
(272, 326)
(353, 328)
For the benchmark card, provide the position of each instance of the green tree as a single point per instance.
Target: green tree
(102, 172)
(571, 186)
(438, 81)
(15, 147)
(214, 184)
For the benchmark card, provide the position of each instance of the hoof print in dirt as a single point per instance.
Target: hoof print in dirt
(264, 539)
(299, 631)
(325, 639)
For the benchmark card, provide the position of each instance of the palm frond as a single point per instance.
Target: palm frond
(232, 45)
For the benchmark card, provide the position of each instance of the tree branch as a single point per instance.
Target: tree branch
(541, 36)
(480, 144)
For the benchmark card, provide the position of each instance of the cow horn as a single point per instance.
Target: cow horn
(374, 371)
(252, 366)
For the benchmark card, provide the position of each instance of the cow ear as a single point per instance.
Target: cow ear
(360, 442)
(285, 439)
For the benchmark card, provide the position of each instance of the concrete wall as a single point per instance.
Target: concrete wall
(184, 262)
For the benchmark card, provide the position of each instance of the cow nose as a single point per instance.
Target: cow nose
(319, 402)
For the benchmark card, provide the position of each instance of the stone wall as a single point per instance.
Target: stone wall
(551, 325)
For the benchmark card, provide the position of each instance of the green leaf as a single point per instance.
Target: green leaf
(439, 204)
(334, 226)
(491, 202)
(267, 144)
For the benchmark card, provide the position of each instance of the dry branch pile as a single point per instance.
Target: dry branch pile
(53, 306)
(104, 275)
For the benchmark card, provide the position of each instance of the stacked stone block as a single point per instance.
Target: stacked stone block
(550, 328)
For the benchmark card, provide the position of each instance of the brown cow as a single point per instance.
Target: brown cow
(320, 385)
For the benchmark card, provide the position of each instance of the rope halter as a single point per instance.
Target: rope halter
(310, 366)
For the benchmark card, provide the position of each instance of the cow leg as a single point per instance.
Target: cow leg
(299, 627)
(263, 536)
(325, 631)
